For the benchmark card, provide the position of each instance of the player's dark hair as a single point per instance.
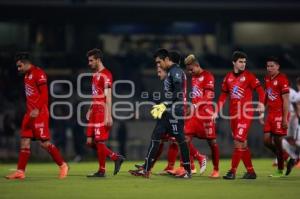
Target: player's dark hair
(175, 57)
(96, 53)
(238, 55)
(161, 53)
(273, 59)
(23, 56)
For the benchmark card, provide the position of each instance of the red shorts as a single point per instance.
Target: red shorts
(36, 128)
(201, 126)
(240, 128)
(96, 127)
(273, 124)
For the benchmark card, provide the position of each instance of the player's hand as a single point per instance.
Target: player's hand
(284, 124)
(88, 115)
(261, 119)
(108, 121)
(214, 116)
(34, 113)
(89, 141)
(158, 110)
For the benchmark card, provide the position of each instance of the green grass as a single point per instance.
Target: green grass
(41, 182)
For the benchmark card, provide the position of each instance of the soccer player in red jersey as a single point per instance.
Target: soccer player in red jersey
(277, 100)
(201, 125)
(239, 85)
(35, 123)
(99, 114)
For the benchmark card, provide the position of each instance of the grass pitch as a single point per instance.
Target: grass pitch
(41, 182)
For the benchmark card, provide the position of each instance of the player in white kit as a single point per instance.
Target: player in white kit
(291, 143)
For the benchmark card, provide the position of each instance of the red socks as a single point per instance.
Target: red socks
(23, 158)
(55, 154)
(102, 153)
(243, 154)
(195, 153)
(235, 159)
(215, 155)
(246, 157)
(112, 155)
(172, 155)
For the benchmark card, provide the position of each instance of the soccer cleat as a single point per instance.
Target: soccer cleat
(185, 175)
(277, 174)
(249, 175)
(63, 170)
(17, 175)
(194, 171)
(139, 166)
(229, 175)
(291, 163)
(98, 174)
(118, 164)
(143, 173)
(215, 174)
(202, 163)
(166, 170)
(177, 171)
(180, 172)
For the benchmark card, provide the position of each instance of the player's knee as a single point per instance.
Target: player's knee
(240, 144)
(25, 143)
(45, 144)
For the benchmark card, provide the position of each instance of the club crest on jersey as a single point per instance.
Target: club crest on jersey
(201, 78)
(30, 76)
(242, 79)
(230, 79)
(275, 82)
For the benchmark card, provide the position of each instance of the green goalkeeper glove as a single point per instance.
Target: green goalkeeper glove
(158, 110)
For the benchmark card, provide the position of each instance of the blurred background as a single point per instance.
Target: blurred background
(58, 33)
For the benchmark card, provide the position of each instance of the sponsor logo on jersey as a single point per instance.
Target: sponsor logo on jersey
(271, 95)
(29, 90)
(196, 92)
(237, 92)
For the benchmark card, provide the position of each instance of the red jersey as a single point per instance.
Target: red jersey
(276, 87)
(33, 81)
(100, 81)
(239, 87)
(200, 85)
